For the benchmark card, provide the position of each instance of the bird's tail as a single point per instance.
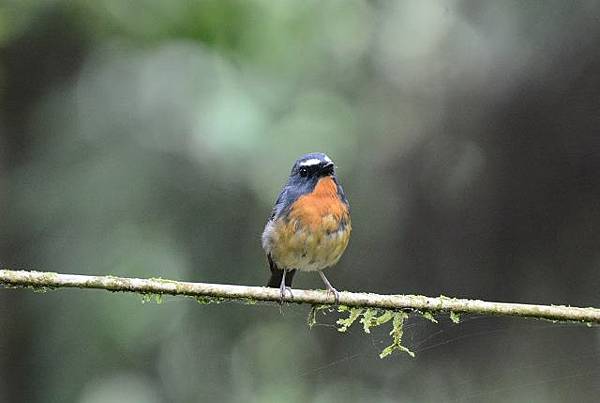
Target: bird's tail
(277, 275)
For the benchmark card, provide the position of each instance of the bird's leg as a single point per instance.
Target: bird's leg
(330, 288)
(283, 288)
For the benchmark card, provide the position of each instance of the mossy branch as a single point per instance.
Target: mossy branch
(425, 305)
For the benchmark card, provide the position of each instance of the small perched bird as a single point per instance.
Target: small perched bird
(309, 227)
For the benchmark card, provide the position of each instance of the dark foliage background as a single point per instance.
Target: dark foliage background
(150, 138)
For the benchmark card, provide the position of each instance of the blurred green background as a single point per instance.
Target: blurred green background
(150, 138)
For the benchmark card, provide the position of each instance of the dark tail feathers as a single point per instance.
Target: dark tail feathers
(277, 275)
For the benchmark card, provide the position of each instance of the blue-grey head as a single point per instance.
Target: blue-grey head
(305, 175)
(310, 167)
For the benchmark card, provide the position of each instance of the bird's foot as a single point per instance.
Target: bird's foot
(336, 294)
(282, 290)
(330, 288)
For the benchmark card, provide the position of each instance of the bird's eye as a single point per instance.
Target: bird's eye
(303, 171)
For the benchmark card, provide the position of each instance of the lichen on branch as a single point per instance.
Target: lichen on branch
(371, 309)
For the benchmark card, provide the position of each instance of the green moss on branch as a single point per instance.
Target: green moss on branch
(371, 309)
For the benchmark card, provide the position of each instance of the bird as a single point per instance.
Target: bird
(309, 227)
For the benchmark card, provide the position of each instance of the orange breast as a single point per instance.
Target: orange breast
(314, 234)
(322, 202)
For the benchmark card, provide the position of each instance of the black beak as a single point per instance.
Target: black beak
(326, 169)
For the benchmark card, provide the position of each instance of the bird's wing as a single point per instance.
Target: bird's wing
(280, 203)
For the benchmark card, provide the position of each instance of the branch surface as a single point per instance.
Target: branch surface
(49, 280)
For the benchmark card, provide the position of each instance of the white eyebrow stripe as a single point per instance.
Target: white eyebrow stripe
(327, 159)
(310, 162)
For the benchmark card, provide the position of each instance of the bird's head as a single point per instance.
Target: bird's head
(310, 167)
